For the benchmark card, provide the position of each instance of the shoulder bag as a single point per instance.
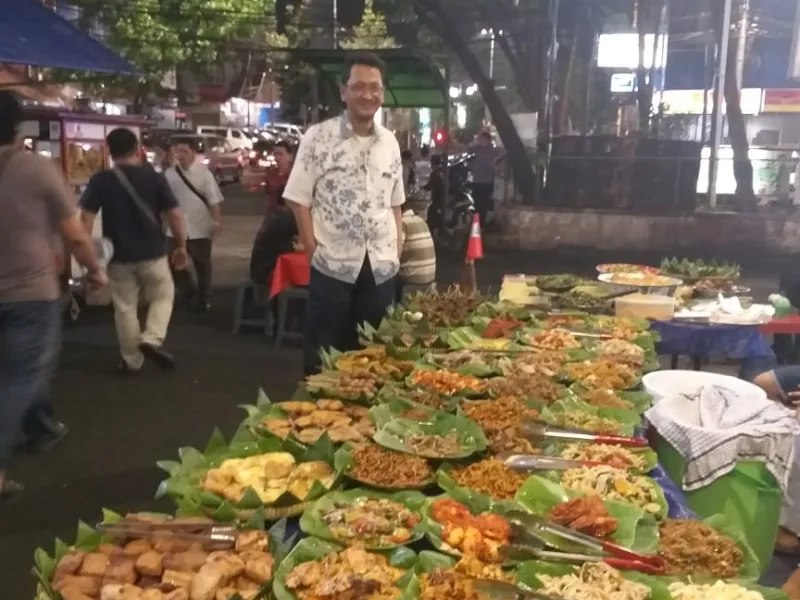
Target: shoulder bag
(145, 210)
(191, 187)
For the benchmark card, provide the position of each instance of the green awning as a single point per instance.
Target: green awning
(412, 81)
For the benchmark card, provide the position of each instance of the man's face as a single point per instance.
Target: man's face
(282, 158)
(185, 155)
(363, 93)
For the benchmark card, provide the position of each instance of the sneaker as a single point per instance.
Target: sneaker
(124, 368)
(10, 490)
(45, 442)
(158, 355)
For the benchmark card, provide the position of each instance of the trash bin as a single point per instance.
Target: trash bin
(749, 496)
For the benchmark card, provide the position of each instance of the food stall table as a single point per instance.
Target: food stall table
(782, 325)
(702, 341)
(291, 270)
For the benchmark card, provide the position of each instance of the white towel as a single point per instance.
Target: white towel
(716, 427)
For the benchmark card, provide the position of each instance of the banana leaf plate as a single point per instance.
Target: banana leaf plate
(89, 539)
(474, 363)
(467, 338)
(445, 481)
(750, 570)
(313, 550)
(326, 385)
(647, 455)
(186, 475)
(396, 434)
(467, 392)
(313, 523)
(419, 396)
(633, 383)
(659, 499)
(344, 463)
(477, 505)
(635, 529)
(529, 574)
(628, 420)
(388, 368)
(639, 402)
(403, 409)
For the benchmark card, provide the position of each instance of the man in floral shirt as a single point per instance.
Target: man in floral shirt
(346, 191)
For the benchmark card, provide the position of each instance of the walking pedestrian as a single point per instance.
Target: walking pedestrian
(483, 164)
(37, 208)
(346, 190)
(135, 200)
(199, 197)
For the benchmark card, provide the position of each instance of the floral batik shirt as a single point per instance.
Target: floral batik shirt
(352, 185)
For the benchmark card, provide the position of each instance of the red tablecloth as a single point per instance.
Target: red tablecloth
(291, 270)
(790, 324)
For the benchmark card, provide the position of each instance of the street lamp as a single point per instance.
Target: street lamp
(492, 36)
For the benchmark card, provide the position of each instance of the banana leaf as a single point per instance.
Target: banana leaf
(473, 365)
(395, 433)
(635, 529)
(660, 499)
(750, 570)
(628, 420)
(344, 462)
(398, 408)
(467, 338)
(634, 384)
(665, 582)
(312, 522)
(88, 539)
(462, 494)
(325, 385)
(639, 401)
(476, 503)
(528, 574)
(313, 549)
(504, 310)
(428, 562)
(186, 475)
(465, 392)
(647, 454)
(418, 396)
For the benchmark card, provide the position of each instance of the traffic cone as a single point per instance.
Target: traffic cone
(475, 243)
(469, 279)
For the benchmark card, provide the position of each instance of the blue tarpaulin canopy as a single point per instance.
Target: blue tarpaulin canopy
(32, 34)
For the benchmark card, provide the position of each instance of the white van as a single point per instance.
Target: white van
(236, 137)
(287, 129)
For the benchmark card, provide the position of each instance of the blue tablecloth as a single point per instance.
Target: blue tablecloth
(703, 340)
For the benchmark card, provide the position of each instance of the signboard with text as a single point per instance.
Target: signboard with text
(782, 101)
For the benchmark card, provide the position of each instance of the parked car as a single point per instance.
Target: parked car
(237, 137)
(261, 154)
(224, 161)
(294, 131)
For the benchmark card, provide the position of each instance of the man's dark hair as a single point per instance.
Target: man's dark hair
(285, 144)
(406, 155)
(425, 151)
(436, 160)
(185, 140)
(122, 143)
(363, 59)
(10, 117)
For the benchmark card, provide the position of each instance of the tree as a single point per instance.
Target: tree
(160, 36)
(370, 33)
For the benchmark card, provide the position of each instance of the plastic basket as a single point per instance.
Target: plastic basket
(749, 496)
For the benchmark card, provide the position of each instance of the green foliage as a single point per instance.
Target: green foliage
(371, 33)
(159, 36)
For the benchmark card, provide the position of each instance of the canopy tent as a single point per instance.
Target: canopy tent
(32, 34)
(412, 81)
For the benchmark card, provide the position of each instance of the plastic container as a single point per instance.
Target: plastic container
(645, 306)
(664, 383)
(749, 496)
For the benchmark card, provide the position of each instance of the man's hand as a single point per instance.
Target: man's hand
(216, 229)
(179, 258)
(97, 278)
(793, 398)
(309, 249)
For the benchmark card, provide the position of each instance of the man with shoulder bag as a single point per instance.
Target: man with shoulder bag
(199, 197)
(135, 201)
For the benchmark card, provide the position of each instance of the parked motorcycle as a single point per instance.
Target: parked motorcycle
(459, 204)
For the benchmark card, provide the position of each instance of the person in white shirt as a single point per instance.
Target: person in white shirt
(422, 168)
(346, 190)
(199, 197)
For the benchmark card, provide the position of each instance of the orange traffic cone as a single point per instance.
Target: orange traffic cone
(475, 244)
(469, 279)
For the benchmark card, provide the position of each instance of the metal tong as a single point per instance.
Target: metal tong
(188, 530)
(531, 536)
(528, 462)
(537, 431)
(502, 590)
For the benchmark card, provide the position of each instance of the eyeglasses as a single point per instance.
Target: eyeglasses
(361, 89)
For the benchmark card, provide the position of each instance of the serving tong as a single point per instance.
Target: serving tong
(207, 533)
(537, 431)
(526, 463)
(531, 536)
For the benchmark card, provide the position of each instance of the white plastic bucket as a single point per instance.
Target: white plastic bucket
(660, 384)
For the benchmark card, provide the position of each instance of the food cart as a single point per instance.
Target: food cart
(75, 142)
